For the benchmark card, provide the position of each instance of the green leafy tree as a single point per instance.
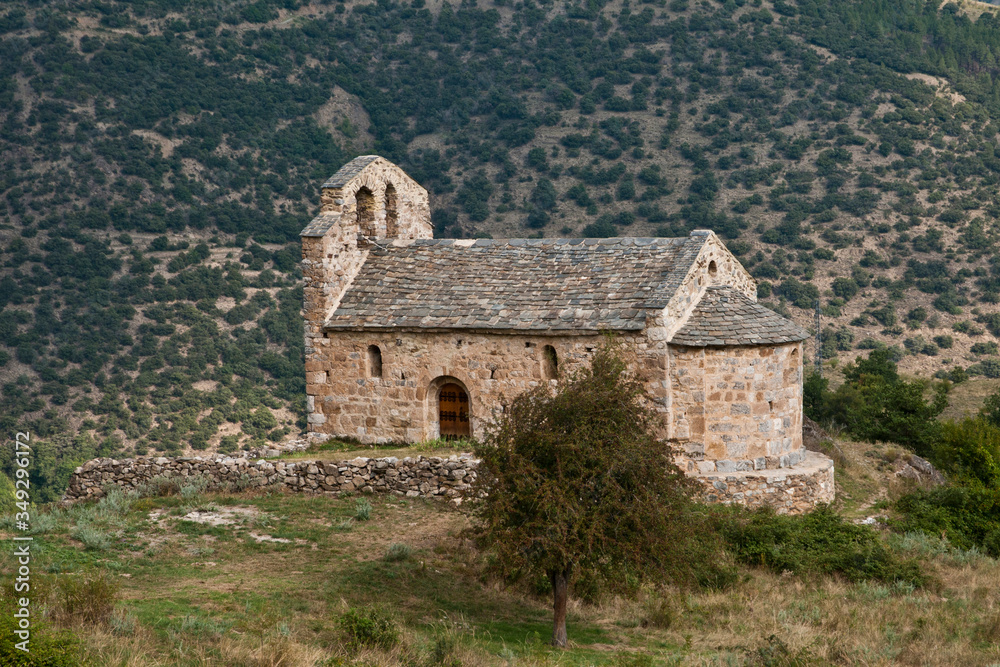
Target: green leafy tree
(874, 403)
(970, 450)
(991, 409)
(578, 481)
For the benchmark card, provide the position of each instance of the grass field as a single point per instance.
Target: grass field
(264, 579)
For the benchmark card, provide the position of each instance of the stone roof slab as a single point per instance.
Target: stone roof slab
(725, 316)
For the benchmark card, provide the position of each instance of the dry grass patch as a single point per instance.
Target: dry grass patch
(278, 604)
(967, 397)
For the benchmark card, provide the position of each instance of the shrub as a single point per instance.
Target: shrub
(91, 536)
(362, 509)
(6, 495)
(969, 450)
(803, 295)
(600, 229)
(987, 367)
(874, 403)
(968, 516)
(967, 328)
(774, 652)
(89, 599)
(659, 613)
(984, 348)
(228, 444)
(820, 542)
(917, 315)
(398, 552)
(123, 623)
(116, 501)
(845, 288)
(991, 409)
(944, 341)
(48, 648)
(369, 627)
(194, 487)
(160, 485)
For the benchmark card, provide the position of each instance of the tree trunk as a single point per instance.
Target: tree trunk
(560, 593)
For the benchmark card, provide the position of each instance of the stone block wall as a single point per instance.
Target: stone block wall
(329, 263)
(432, 477)
(342, 398)
(736, 409)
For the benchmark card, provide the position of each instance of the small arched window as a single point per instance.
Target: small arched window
(391, 214)
(712, 268)
(366, 211)
(550, 363)
(374, 361)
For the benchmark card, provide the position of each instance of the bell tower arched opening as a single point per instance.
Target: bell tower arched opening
(391, 212)
(365, 211)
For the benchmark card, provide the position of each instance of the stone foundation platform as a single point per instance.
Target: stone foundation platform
(792, 490)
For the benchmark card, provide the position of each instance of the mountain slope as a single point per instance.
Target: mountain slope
(845, 150)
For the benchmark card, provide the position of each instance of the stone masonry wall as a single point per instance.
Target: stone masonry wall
(342, 399)
(737, 408)
(431, 477)
(788, 491)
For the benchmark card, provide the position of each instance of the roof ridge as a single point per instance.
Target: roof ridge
(350, 170)
(562, 240)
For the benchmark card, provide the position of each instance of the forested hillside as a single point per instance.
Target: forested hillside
(160, 157)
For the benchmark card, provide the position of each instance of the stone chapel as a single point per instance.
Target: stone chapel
(410, 338)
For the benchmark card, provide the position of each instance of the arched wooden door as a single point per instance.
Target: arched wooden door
(453, 408)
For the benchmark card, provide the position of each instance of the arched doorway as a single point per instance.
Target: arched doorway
(453, 412)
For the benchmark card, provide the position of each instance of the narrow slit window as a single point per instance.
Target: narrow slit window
(550, 363)
(374, 361)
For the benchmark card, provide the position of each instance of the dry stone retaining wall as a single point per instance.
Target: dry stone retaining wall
(790, 491)
(433, 476)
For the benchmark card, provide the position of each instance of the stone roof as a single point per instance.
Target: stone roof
(321, 224)
(516, 284)
(349, 171)
(725, 316)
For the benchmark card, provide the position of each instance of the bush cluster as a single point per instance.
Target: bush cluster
(820, 542)
(368, 627)
(874, 403)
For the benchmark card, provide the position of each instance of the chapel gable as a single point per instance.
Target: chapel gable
(373, 199)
